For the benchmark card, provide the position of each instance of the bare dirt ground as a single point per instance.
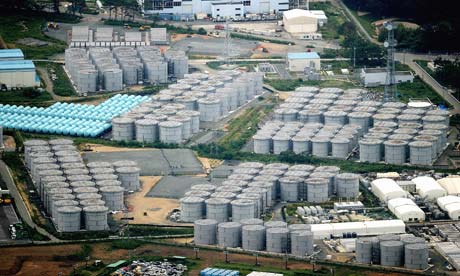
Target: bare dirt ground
(102, 148)
(8, 142)
(149, 210)
(40, 258)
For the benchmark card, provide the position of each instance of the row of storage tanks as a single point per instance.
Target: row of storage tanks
(255, 235)
(108, 70)
(68, 118)
(252, 188)
(317, 139)
(393, 250)
(375, 123)
(174, 114)
(408, 142)
(77, 195)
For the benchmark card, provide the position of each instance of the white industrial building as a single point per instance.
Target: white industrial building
(406, 210)
(372, 77)
(300, 21)
(297, 62)
(223, 7)
(428, 188)
(451, 205)
(365, 228)
(451, 184)
(386, 189)
(15, 72)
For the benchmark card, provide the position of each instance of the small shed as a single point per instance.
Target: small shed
(297, 62)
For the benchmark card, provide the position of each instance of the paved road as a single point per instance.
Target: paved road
(409, 59)
(20, 205)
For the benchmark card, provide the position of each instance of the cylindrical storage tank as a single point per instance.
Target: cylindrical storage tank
(95, 217)
(218, 209)
(84, 196)
(244, 177)
(340, 147)
(243, 209)
(252, 221)
(97, 164)
(416, 256)
(101, 171)
(102, 177)
(320, 146)
(262, 191)
(122, 129)
(275, 224)
(124, 163)
(431, 139)
(194, 117)
(210, 109)
(78, 184)
(232, 189)
(170, 132)
(203, 187)
(370, 150)
(301, 243)
(234, 182)
(409, 118)
(420, 153)
(301, 144)
(196, 193)
(147, 130)
(396, 151)
(229, 234)
(56, 202)
(329, 176)
(347, 185)
(129, 178)
(391, 253)
(317, 189)
(363, 249)
(113, 197)
(267, 186)
(277, 240)
(192, 208)
(205, 232)
(335, 118)
(281, 143)
(253, 237)
(289, 188)
(68, 218)
(258, 202)
(186, 125)
(434, 120)
(262, 143)
(227, 195)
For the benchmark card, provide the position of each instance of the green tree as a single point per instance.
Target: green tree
(202, 31)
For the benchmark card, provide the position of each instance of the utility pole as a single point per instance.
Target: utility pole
(354, 58)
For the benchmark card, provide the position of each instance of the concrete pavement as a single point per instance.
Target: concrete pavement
(6, 175)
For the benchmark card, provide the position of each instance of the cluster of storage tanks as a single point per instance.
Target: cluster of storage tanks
(252, 188)
(68, 118)
(174, 114)
(77, 195)
(255, 235)
(103, 69)
(393, 250)
(311, 138)
(393, 132)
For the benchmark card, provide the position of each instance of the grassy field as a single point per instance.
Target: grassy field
(16, 27)
(62, 85)
(366, 21)
(418, 89)
(335, 18)
(22, 97)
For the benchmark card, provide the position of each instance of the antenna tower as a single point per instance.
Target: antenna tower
(390, 93)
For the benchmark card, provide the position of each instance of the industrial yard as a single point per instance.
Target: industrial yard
(244, 138)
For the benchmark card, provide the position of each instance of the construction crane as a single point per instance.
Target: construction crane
(390, 93)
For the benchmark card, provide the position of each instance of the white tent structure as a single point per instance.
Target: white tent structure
(406, 210)
(300, 21)
(365, 228)
(386, 189)
(451, 205)
(451, 184)
(428, 188)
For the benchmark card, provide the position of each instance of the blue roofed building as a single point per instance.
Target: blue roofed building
(15, 72)
(11, 54)
(297, 62)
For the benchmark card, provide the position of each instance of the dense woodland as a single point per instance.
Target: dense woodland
(439, 21)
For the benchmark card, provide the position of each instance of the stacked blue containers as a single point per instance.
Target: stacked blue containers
(218, 272)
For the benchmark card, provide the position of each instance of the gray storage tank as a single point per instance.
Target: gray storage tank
(129, 177)
(277, 240)
(205, 232)
(122, 129)
(347, 185)
(370, 150)
(391, 253)
(289, 188)
(229, 234)
(147, 130)
(416, 256)
(420, 153)
(68, 218)
(243, 209)
(301, 243)
(95, 218)
(253, 237)
(192, 208)
(317, 189)
(363, 249)
(262, 143)
(396, 151)
(113, 197)
(218, 209)
(170, 132)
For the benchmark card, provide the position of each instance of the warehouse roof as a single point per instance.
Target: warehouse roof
(6, 65)
(428, 187)
(451, 184)
(398, 202)
(303, 55)
(446, 200)
(11, 53)
(386, 189)
(365, 228)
